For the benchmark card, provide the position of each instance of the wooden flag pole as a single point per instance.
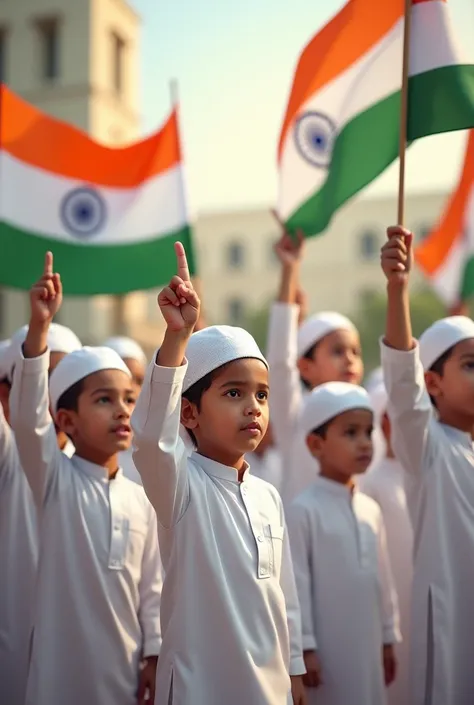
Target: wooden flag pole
(404, 113)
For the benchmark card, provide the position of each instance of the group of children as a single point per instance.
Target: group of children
(160, 542)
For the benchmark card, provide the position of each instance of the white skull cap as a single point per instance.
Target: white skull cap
(329, 400)
(443, 335)
(316, 327)
(212, 347)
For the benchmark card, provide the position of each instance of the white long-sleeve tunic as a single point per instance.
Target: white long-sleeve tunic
(267, 466)
(345, 588)
(230, 615)
(439, 466)
(287, 403)
(99, 581)
(386, 484)
(18, 562)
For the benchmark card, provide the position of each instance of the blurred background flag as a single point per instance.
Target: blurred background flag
(342, 123)
(109, 215)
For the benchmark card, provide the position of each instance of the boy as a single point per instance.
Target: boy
(348, 604)
(98, 585)
(326, 348)
(385, 483)
(430, 387)
(231, 631)
(18, 527)
(135, 359)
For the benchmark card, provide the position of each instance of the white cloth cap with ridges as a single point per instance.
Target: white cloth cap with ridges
(126, 348)
(212, 347)
(80, 364)
(443, 335)
(329, 400)
(316, 327)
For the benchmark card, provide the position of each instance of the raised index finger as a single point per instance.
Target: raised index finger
(182, 262)
(48, 264)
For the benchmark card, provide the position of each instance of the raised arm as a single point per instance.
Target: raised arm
(150, 586)
(8, 464)
(32, 424)
(409, 406)
(286, 396)
(159, 453)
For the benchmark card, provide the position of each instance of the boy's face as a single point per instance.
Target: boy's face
(347, 448)
(137, 370)
(233, 415)
(453, 391)
(100, 427)
(336, 358)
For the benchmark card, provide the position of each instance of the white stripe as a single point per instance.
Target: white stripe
(447, 279)
(30, 199)
(372, 78)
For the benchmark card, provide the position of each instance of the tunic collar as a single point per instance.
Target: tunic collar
(92, 469)
(215, 469)
(335, 488)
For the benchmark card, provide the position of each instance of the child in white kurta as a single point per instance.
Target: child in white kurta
(435, 448)
(231, 623)
(348, 602)
(324, 348)
(385, 482)
(135, 359)
(18, 531)
(98, 585)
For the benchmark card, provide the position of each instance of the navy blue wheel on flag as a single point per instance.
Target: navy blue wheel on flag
(314, 135)
(83, 212)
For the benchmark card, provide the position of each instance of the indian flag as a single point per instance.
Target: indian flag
(341, 127)
(110, 216)
(447, 254)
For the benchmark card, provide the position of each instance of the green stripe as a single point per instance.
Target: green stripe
(467, 285)
(94, 269)
(441, 100)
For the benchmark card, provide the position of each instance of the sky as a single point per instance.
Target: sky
(234, 63)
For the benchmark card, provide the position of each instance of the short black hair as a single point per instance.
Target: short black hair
(439, 364)
(69, 400)
(196, 390)
(322, 430)
(309, 355)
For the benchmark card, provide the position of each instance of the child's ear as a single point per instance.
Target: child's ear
(385, 424)
(315, 444)
(433, 384)
(66, 422)
(305, 365)
(189, 414)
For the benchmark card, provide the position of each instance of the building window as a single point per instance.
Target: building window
(235, 255)
(118, 60)
(235, 311)
(3, 55)
(50, 49)
(369, 245)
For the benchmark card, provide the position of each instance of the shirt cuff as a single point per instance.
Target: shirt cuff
(399, 357)
(297, 667)
(31, 365)
(152, 647)
(309, 643)
(168, 375)
(391, 635)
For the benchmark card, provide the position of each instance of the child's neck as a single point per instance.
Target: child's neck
(460, 422)
(110, 464)
(226, 459)
(335, 476)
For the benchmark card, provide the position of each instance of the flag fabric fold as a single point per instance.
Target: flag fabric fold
(110, 216)
(446, 255)
(341, 128)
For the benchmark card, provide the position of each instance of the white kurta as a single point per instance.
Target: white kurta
(386, 484)
(99, 581)
(128, 466)
(267, 467)
(287, 402)
(439, 465)
(18, 562)
(346, 592)
(229, 612)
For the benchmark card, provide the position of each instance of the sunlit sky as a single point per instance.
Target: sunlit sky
(234, 63)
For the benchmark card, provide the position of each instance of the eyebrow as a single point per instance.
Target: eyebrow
(101, 390)
(240, 383)
(467, 355)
